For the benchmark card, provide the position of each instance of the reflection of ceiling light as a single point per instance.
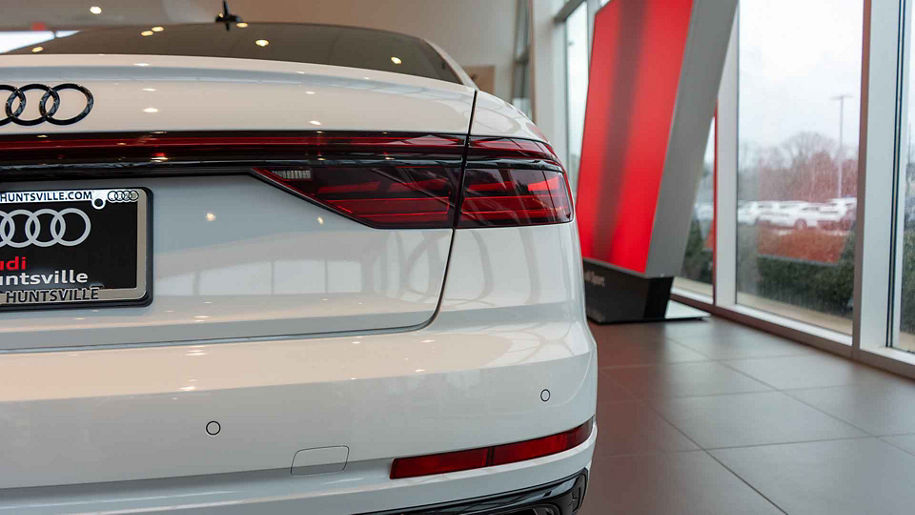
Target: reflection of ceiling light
(261, 42)
(37, 49)
(315, 122)
(149, 89)
(141, 64)
(396, 60)
(241, 25)
(150, 110)
(210, 217)
(309, 92)
(95, 9)
(157, 29)
(146, 33)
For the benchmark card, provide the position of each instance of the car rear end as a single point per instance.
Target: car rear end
(239, 283)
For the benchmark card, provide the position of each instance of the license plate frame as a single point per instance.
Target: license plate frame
(34, 228)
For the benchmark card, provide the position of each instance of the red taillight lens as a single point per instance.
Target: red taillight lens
(440, 463)
(490, 456)
(383, 196)
(507, 182)
(512, 182)
(514, 197)
(538, 447)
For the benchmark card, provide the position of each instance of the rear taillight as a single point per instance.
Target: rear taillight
(387, 181)
(490, 456)
(383, 196)
(507, 182)
(508, 196)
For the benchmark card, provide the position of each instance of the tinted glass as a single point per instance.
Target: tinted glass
(300, 43)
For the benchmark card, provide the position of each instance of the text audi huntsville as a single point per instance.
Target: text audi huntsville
(282, 268)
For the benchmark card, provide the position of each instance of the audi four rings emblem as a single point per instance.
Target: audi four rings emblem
(59, 221)
(123, 196)
(48, 104)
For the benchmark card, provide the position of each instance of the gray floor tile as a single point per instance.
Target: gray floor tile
(633, 427)
(859, 476)
(742, 346)
(751, 419)
(683, 380)
(680, 483)
(880, 407)
(818, 370)
(619, 352)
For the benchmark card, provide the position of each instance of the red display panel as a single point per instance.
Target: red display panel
(636, 60)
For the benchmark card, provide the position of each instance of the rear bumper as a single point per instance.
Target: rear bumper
(563, 497)
(362, 488)
(90, 431)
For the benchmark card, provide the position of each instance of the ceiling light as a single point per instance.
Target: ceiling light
(261, 42)
(157, 29)
(395, 60)
(37, 49)
(95, 9)
(315, 122)
(150, 110)
(241, 25)
(146, 33)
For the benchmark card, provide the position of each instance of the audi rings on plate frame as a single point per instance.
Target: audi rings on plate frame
(123, 196)
(16, 103)
(33, 227)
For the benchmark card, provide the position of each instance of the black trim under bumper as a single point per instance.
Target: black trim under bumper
(563, 497)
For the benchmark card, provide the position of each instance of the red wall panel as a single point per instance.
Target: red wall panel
(636, 60)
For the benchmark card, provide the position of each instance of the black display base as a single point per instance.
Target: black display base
(615, 296)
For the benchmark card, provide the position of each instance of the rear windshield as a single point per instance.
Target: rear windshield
(300, 43)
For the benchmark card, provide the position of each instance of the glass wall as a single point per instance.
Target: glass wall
(576, 34)
(906, 195)
(696, 274)
(799, 97)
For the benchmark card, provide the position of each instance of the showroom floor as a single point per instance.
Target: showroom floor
(714, 417)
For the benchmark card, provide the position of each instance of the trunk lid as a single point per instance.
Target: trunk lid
(233, 256)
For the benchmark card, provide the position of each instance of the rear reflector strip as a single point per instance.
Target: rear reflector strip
(490, 456)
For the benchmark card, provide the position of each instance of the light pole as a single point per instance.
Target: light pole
(841, 99)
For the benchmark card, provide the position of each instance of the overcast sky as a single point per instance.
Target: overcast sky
(795, 56)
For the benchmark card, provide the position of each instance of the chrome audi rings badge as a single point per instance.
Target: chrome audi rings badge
(49, 102)
(35, 233)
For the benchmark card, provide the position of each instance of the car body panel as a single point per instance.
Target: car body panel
(148, 93)
(278, 266)
(381, 395)
(496, 117)
(360, 488)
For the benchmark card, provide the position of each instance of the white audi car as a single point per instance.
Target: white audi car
(280, 268)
